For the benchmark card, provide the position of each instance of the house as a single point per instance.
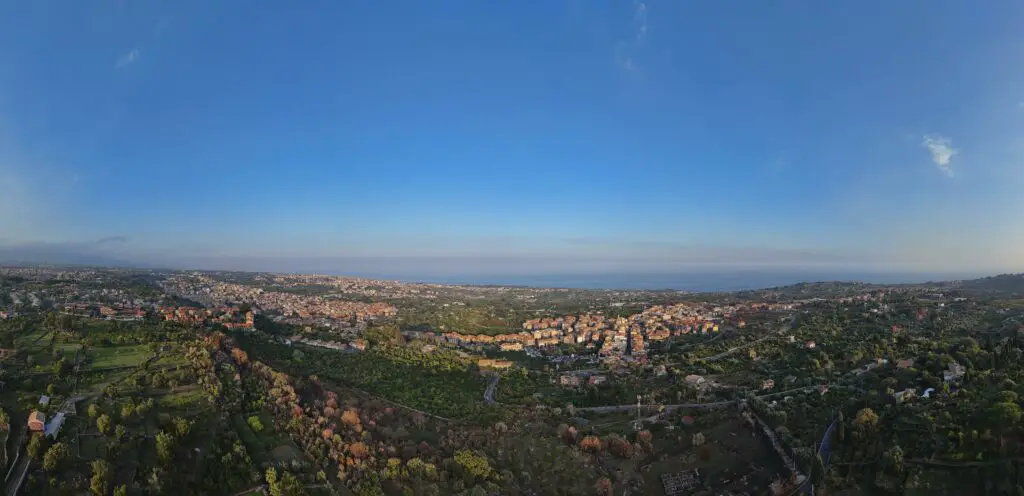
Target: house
(680, 483)
(44, 400)
(694, 380)
(515, 346)
(906, 394)
(770, 383)
(569, 380)
(54, 425)
(811, 344)
(597, 379)
(660, 370)
(358, 344)
(906, 363)
(36, 421)
(953, 372)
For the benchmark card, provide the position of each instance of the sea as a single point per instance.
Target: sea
(704, 281)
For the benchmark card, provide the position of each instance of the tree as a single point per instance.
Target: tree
(590, 444)
(61, 367)
(36, 445)
(894, 459)
(94, 410)
(103, 423)
(475, 464)
(288, 485)
(165, 446)
(66, 323)
(866, 419)
(817, 470)
(120, 432)
(255, 424)
(620, 447)
(383, 334)
(121, 490)
(101, 474)
(55, 457)
(1004, 416)
(182, 427)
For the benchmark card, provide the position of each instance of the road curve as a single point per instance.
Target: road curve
(489, 392)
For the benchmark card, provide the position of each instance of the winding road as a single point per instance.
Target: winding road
(489, 392)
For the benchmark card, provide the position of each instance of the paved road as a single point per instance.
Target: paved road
(714, 404)
(17, 476)
(702, 343)
(489, 392)
(788, 327)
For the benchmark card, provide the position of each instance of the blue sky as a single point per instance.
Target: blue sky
(515, 136)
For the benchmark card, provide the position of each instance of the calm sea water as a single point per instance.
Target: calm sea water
(697, 281)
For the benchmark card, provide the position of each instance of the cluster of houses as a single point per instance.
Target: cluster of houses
(229, 317)
(109, 312)
(207, 289)
(580, 378)
(611, 337)
(354, 345)
(37, 420)
(954, 372)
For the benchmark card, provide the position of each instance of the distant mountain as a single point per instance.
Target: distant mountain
(1002, 285)
(58, 254)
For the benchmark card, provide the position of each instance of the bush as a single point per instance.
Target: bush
(590, 444)
(255, 424)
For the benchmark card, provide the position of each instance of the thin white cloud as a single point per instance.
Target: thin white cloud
(627, 50)
(640, 18)
(942, 152)
(128, 58)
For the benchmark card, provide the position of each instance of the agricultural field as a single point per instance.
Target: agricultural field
(263, 440)
(106, 357)
(438, 382)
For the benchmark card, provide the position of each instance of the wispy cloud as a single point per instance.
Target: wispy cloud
(626, 51)
(128, 58)
(942, 152)
(112, 240)
(640, 18)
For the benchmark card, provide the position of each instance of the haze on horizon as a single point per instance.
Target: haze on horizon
(518, 137)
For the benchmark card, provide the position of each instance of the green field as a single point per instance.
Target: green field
(118, 356)
(31, 338)
(184, 399)
(267, 444)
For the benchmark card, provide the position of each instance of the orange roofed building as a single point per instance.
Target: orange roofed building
(36, 421)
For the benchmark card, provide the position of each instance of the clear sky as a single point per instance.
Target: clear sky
(515, 136)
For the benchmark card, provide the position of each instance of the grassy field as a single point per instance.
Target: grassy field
(30, 338)
(268, 444)
(118, 356)
(192, 397)
(736, 459)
